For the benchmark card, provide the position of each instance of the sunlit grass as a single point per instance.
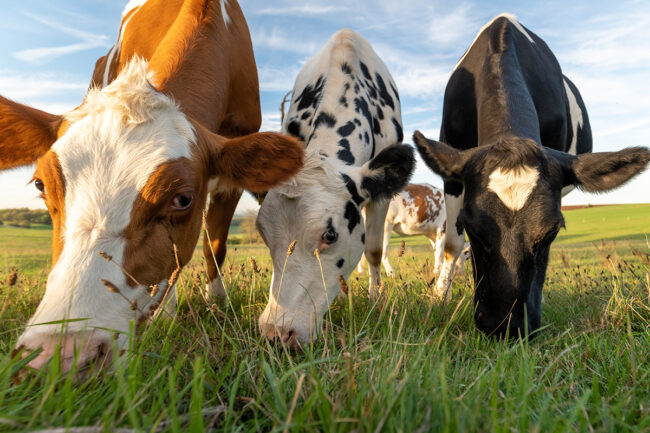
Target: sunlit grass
(402, 363)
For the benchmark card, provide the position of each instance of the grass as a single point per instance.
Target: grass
(405, 363)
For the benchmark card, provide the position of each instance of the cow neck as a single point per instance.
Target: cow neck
(505, 107)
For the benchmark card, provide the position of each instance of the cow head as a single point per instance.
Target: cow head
(511, 213)
(125, 183)
(320, 209)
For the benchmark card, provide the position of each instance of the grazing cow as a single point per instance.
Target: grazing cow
(517, 134)
(346, 109)
(125, 175)
(419, 210)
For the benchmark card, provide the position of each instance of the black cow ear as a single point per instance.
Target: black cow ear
(440, 157)
(387, 173)
(603, 171)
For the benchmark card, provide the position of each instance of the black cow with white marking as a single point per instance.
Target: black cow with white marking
(517, 136)
(346, 109)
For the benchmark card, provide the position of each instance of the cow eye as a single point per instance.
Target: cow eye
(546, 240)
(39, 185)
(330, 236)
(181, 201)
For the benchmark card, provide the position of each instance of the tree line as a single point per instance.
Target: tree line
(24, 217)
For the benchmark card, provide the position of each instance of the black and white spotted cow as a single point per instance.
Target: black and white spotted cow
(517, 134)
(346, 109)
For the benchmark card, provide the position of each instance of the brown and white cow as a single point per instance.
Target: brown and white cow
(127, 173)
(419, 210)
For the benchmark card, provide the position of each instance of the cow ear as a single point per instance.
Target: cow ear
(440, 157)
(26, 133)
(255, 162)
(387, 173)
(603, 171)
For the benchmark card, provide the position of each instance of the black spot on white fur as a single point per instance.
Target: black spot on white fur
(352, 188)
(344, 153)
(310, 95)
(339, 263)
(325, 118)
(346, 129)
(352, 215)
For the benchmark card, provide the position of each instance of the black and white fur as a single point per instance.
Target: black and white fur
(513, 124)
(346, 109)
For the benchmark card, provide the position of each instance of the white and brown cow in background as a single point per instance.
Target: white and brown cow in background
(419, 210)
(346, 109)
(127, 173)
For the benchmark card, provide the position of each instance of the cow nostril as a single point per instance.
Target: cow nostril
(289, 337)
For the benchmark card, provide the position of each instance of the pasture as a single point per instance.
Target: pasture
(403, 363)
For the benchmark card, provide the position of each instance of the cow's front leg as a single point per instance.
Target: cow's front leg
(388, 228)
(361, 267)
(220, 211)
(375, 217)
(438, 245)
(454, 238)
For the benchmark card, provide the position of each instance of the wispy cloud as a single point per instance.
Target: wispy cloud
(277, 80)
(416, 75)
(449, 28)
(44, 54)
(300, 10)
(277, 39)
(25, 86)
(271, 121)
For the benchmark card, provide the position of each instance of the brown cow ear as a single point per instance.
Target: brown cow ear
(26, 133)
(255, 162)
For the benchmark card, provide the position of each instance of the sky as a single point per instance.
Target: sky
(48, 51)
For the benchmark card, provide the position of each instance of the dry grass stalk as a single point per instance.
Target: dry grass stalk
(401, 249)
(344, 285)
(13, 278)
(134, 304)
(105, 256)
(173, 277)
(292, 247)
(154, 290)
(284, 101)
(112, 287)
(254, 265)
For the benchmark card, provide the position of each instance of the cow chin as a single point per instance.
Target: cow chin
(82, 311)
(295, 311)
(510, 316)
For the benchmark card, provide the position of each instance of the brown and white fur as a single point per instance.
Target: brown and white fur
(125, 175)
(419, 210)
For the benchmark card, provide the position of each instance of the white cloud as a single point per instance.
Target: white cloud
(452, 27)
(300, 10)
(612, 42)
(277, 80)
(416, 75)
(45, 54)
(271, 121)
(277, 39)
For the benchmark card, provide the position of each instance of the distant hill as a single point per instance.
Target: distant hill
(25, 218)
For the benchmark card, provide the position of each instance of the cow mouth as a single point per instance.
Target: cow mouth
(87, 364)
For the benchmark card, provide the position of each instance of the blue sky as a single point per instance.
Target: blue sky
(48, 51)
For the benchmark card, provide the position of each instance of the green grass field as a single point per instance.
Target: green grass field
(405, 363)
